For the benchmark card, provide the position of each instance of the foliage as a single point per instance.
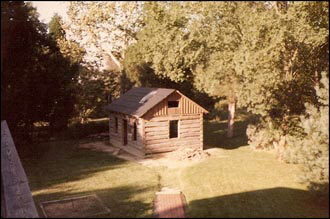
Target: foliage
(69, 67)
(77, 130)
(283, 64)
(275, 61)
(103, 27)
(94, 92)
(266, 56)
(36, 80)
(93, 85)
(263, 135)
(103, 30)
(312, 150)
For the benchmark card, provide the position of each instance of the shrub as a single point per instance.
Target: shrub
(312, 151)
(78, 130)
(263, 135)
(301, 140)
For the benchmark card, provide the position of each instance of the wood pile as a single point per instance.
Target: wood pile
(191, 154)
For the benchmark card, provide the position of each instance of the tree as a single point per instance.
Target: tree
(23, 45)
(312, 149)
(278, 58)
(36, 78)
(275, 59)
(185, 42)
(67, 56)
(103, 28)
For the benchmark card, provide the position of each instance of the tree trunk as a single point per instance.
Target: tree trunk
(231, 116)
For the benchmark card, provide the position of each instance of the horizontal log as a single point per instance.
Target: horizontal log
(174, 143)
(189, 125)
(162, 123)
(190, 121)
(177, 117)
(153, 137)
(149, 150)
(164, 128)
(160, 150)
(157, 132)
(156, 141)
(157, 150)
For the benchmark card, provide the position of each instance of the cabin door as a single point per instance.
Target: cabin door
(124, 132)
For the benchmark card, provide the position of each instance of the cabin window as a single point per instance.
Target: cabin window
(173, 104)
(134, 132)
(174, 128)
(116, 124)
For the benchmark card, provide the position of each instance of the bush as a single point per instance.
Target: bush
(301, 140)
(78, 130)
(263, 135)
(313, 150)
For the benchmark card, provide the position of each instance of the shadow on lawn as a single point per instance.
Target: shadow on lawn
(267, 203)
(118, 200)
(64, 161)
(215, 135)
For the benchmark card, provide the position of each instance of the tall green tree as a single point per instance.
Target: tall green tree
(66, 57)
(23, 47)
(36, 78)
(104, 28)
(190, 42)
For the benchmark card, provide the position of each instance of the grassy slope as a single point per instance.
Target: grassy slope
(240, 182)
(63, 171)
(244, 183)
(235, 182)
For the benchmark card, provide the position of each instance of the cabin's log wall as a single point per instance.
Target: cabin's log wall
(116, 138)
(190, 133)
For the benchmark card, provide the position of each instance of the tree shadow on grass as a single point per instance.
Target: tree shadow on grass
(63, 161)
(215, 135)
(123, 201)
(63, 169)
(266, 203)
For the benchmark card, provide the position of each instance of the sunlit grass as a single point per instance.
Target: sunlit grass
(235, 181)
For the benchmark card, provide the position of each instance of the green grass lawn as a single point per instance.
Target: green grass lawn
(234, 182)
(63, 170)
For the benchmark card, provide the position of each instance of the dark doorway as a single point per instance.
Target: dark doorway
(124, 132)
(174, 128)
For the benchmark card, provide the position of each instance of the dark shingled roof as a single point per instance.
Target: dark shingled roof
(139, 100)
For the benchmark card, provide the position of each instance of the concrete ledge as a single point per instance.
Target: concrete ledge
(16, 196)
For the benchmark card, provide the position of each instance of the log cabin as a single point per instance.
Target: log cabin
(145, 121)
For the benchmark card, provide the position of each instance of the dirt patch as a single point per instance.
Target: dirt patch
(84, 206)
